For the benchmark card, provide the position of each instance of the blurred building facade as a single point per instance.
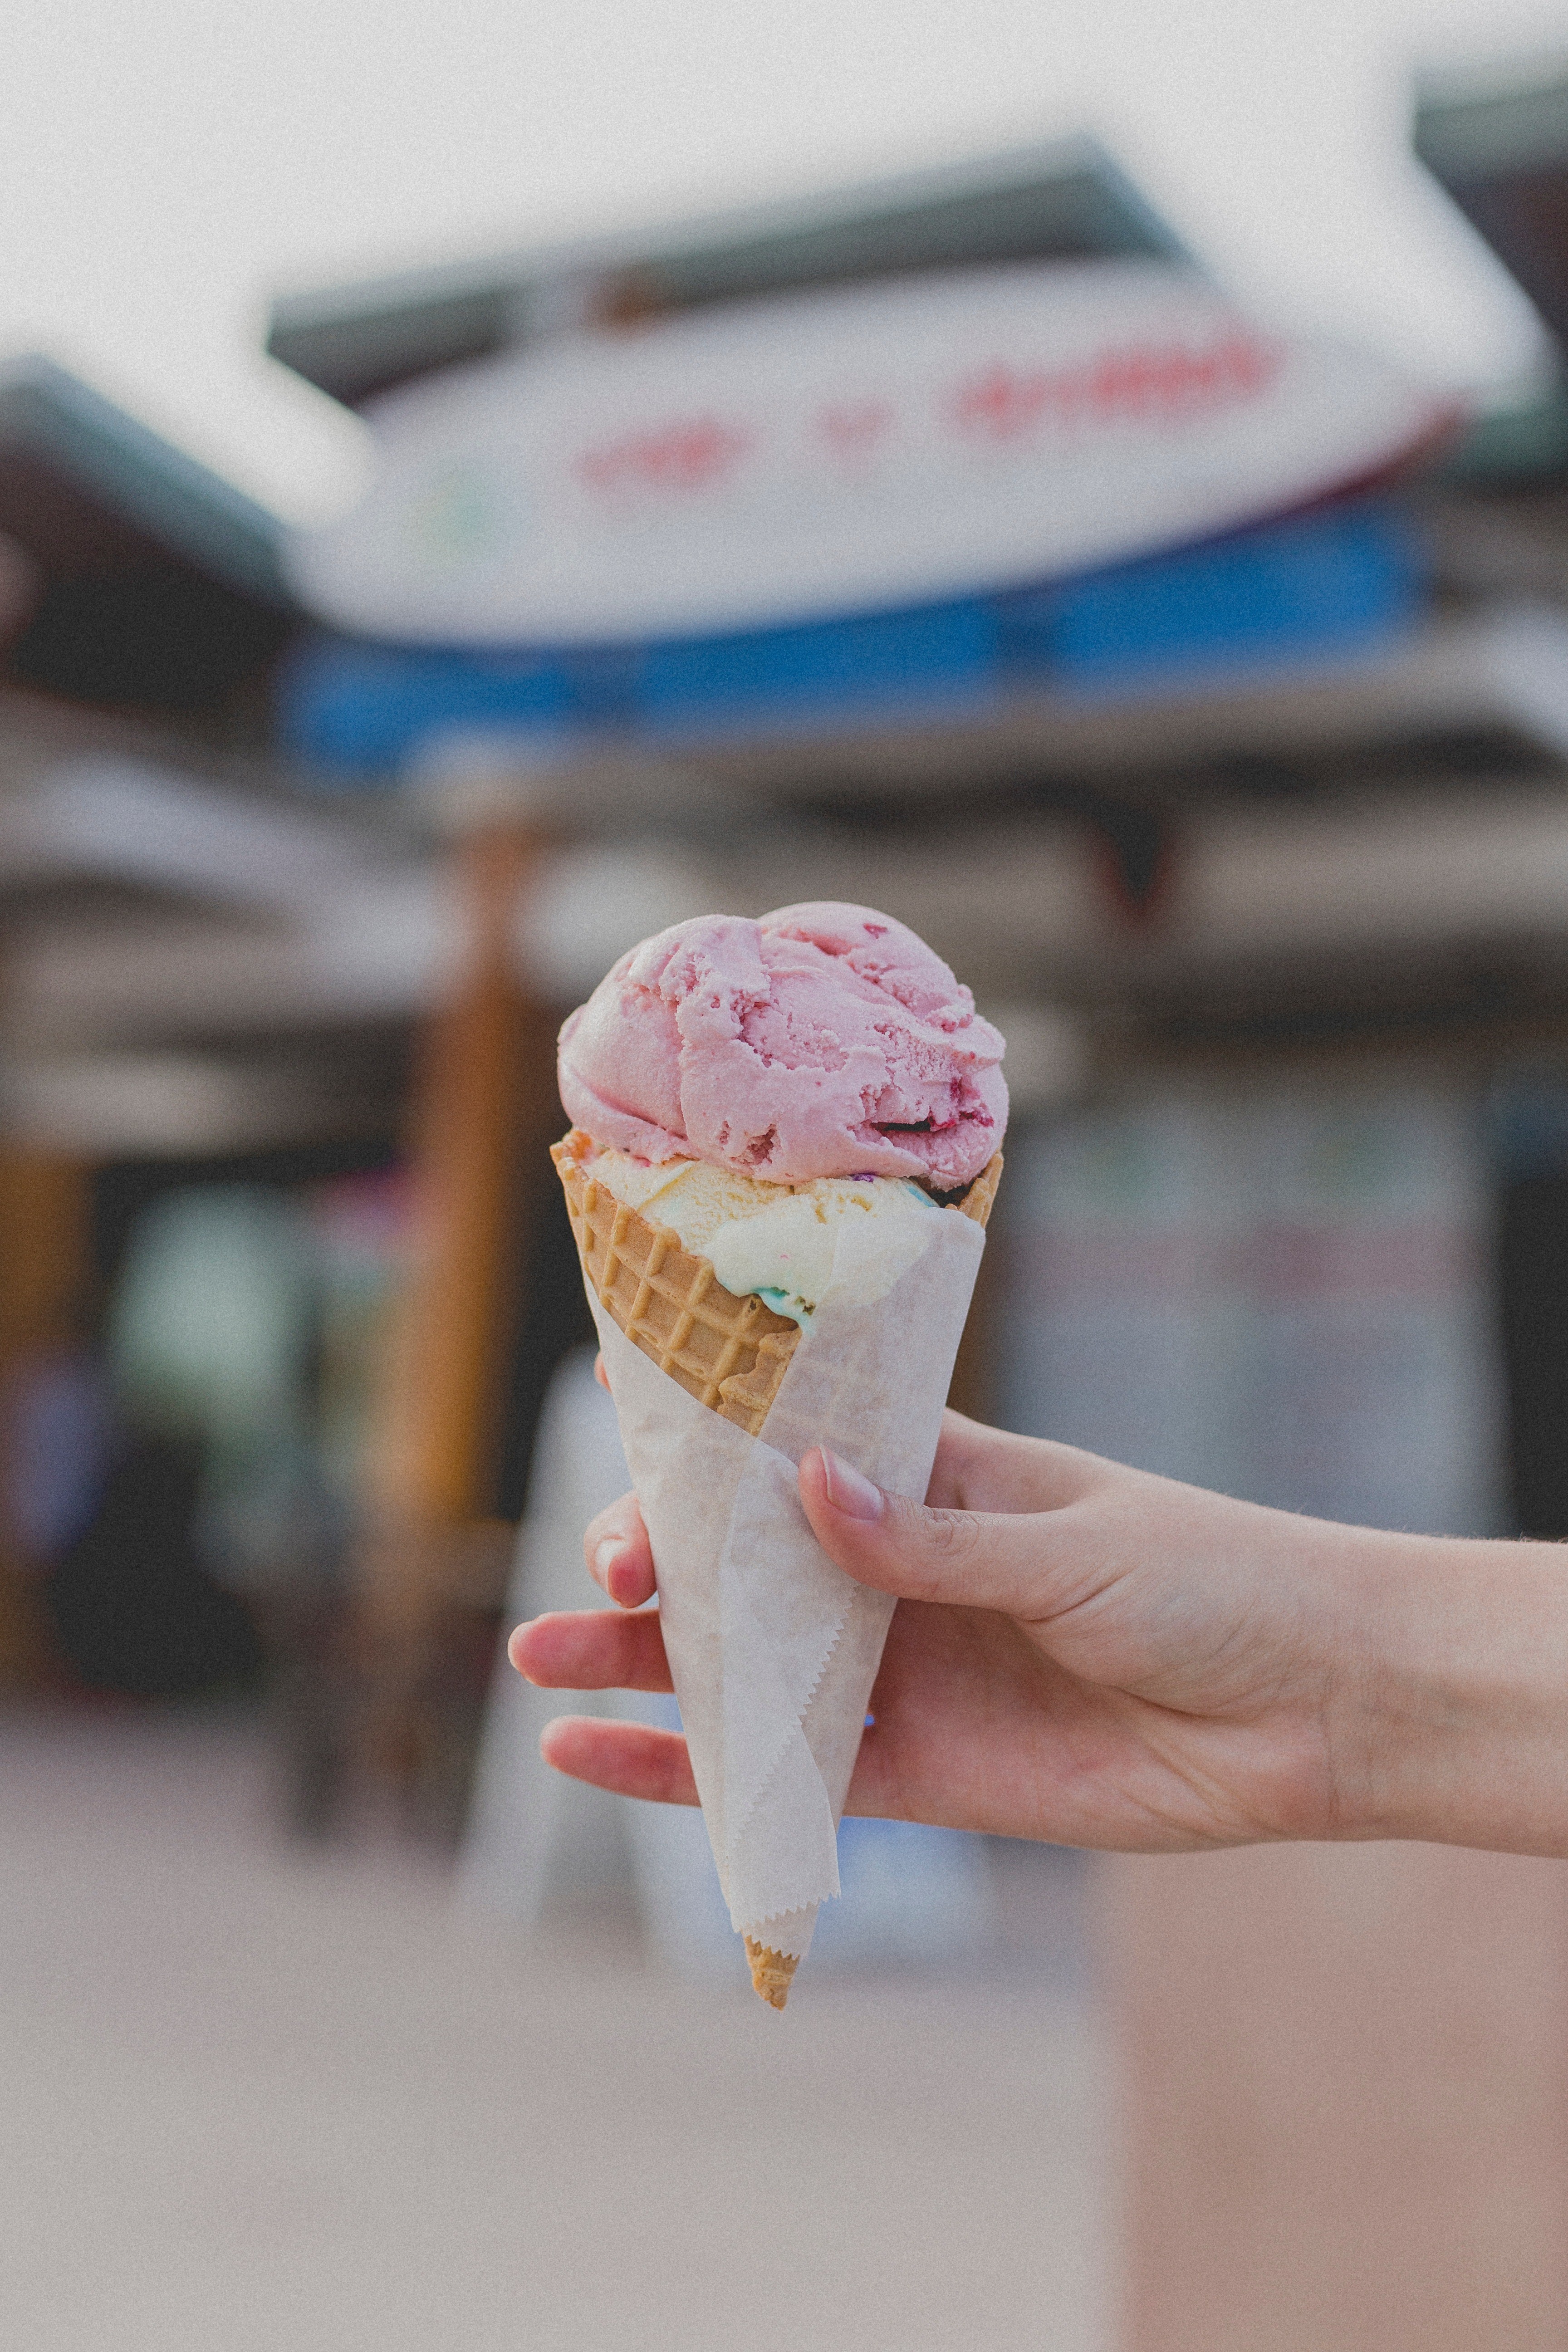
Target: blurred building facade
(1283, 800)
(149, 833)
(1278, 807)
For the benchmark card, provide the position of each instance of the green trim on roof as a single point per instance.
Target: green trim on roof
(1461, 135)
(135, 472)
(1064, 198)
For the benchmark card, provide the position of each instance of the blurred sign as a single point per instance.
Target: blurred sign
(847, 451)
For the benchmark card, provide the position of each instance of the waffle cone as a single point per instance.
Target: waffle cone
(729, 1353)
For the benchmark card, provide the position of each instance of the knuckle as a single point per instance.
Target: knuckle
(950, 1540)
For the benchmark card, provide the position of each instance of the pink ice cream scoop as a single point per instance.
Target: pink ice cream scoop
(823, 1041)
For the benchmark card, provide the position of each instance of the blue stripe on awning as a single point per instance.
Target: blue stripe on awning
(1334, 579)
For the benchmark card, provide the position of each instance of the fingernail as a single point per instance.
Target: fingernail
(604, 1557)
(847, 1491)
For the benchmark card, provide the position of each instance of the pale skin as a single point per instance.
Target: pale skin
(1087, 1655)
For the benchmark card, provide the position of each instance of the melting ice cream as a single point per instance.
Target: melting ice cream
(782, 1241)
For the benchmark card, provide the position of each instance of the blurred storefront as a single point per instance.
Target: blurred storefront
(1148, 663)
(165, 1121)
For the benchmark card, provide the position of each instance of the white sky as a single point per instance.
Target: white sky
(165, 165)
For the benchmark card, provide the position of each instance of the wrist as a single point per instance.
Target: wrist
(1452, 1698)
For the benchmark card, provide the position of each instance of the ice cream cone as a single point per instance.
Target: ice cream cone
(719, 1172)
(729, 1353)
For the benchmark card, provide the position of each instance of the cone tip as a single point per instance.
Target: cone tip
(770, 1972)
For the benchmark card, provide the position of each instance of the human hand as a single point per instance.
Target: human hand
(1092, 1656)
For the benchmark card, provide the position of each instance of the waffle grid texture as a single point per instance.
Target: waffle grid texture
(729, 1353)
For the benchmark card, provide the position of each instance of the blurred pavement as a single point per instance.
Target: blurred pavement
(257, 2096)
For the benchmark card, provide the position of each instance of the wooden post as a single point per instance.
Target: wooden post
(484, 1111)
(45, 1254)
(1343, 2083)
(484, 1095)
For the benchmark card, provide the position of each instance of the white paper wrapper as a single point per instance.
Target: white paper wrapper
(772, 1649)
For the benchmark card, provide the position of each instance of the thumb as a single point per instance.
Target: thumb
(975, 1560)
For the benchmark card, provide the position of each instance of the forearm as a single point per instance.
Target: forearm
(1452, 1705)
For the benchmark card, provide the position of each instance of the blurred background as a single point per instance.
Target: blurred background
(469, 498)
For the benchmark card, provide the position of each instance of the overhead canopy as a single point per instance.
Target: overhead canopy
(167, 893)
(1502, 156)
(137, 576)
(1062, 201)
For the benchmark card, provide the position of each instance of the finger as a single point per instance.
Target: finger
(632, 1758)
(592, 1649)
(601, 1375)
(618, 1554)
(1030, 1564)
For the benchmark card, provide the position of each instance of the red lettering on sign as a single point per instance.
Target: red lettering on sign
(689, 456)
(1139, 382)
